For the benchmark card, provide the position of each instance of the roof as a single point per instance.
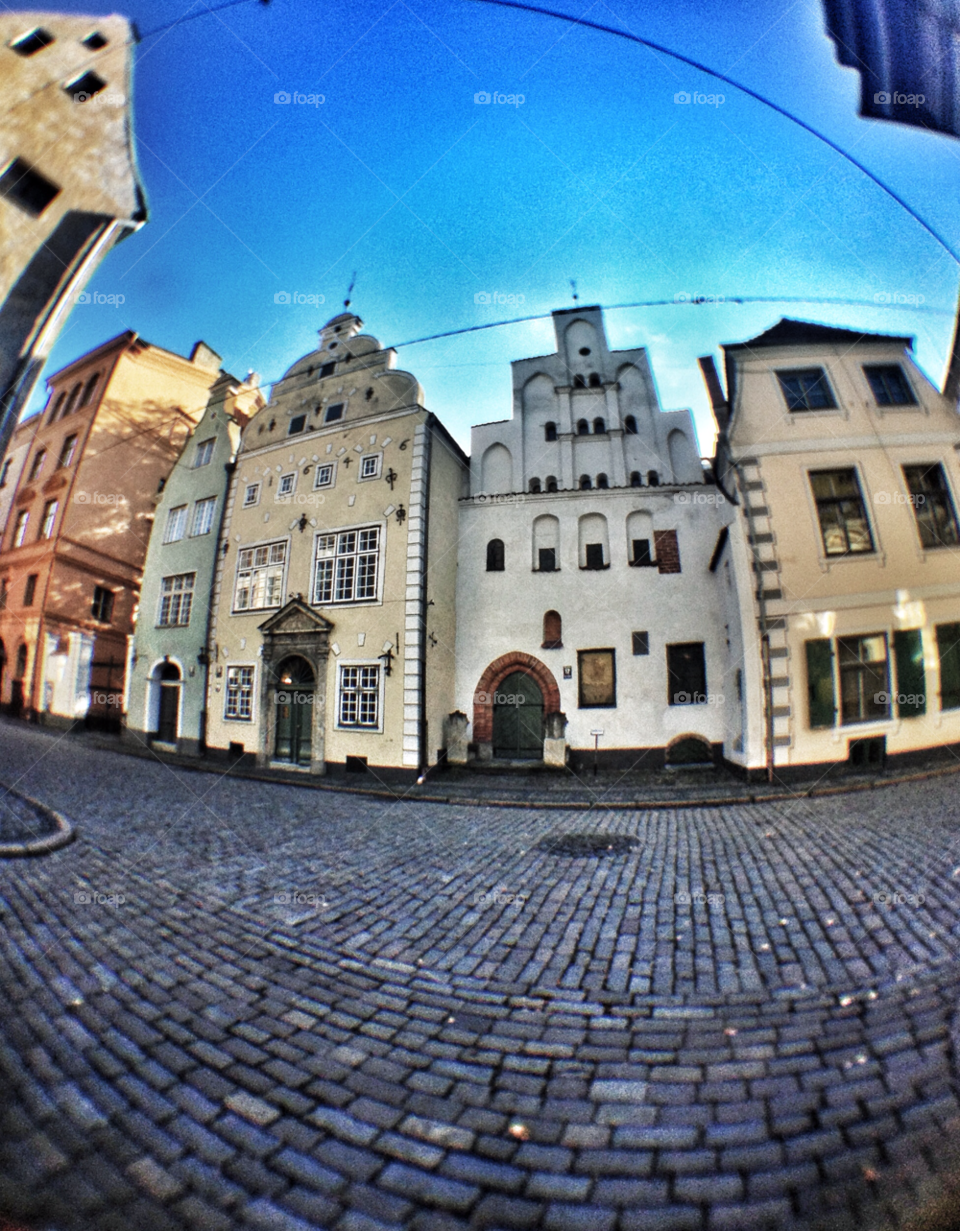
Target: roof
(788, 332)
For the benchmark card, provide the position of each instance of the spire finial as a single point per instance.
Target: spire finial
(346, 302)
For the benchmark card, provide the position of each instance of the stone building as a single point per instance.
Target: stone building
(69, 188)
(73, 548)
(168, 664)
(588, 614)
(12, 465)
(845, 460)
(332, 630)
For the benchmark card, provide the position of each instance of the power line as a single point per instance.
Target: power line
(204, 12)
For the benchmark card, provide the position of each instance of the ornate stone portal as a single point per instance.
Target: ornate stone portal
(295, 631)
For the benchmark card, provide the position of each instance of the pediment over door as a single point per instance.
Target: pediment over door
(295, 618)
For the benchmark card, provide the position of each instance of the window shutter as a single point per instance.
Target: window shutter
(822, 699)
(948, 646)
(908, 651)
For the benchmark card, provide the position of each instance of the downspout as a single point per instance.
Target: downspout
(229, 467)
(424, 514)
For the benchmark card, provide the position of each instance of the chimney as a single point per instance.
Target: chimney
(718, 403)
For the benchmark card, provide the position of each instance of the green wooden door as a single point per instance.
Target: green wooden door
(294, 716)
(518, 718)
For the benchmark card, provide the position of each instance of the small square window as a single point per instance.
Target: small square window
(30, 44)
(889, 385)
(95, 41)
(333, 413)
(102, 606)
(370, 466)
(286, 485)
(547, 559)
(324, 475)
(297, 424)
(251, 495)
(641, 643)
(204, 452)
(594, 556)
(27, 188)
(85, 87)
(327, 369)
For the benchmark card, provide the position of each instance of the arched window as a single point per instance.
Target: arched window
(56, 407)
(594, 380)
(585, 483)
(21, 668)
(550, 431)
(535, 485)
(599, 427)
(72, 400)
(495, 556)
(89, 388)
(551, 482)
(583, 427)
(602, 481)
(594, 543)
(546, 544)
(635, 479)
(653, 479)
(579, 382)
(630, 425)
(552, 631)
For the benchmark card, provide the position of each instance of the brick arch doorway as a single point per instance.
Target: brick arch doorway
(495, 675)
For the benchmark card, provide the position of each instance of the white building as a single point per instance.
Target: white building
(586, 601)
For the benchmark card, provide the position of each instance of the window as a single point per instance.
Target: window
(251, 495)
(49, 517)
(203, 516)
(495, 556)
(597, 678)
(37, 465)
(260, 577)
(297, 425)
(83, 88)
(635, 479)
(29, 590)
(333, 413)
(286, 485)
(806, 389)
(347, 566)
(176, 599)
(843, 519)
(552, 631)
(5, 471)
(239, 704)
(94, 41)
(599, 427)
(20, 528)
(948, 650)
(602, 482)
(583, 427)
(4, 592)
(204, 452)
(594, 380)
(864, 679)
(56, 407)
(686, 674)
(932, 505)
(546, 560)
(359, 697)
(641, 554)
(72, 400)
(551, 482)
(67, 451)
(88, 389)
(26, 187)
(102, 606)
(550, 431)
(630, 425)
(370, 466)
(594, 556)
(324, 475)
(889, 385)
(641, 643)
(653, 479)
(535, 486)
(579, 382)
(327, 369)
(585, 483)
(29, 44)
(176, 524)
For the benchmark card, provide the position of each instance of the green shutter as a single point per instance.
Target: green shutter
(823, 704)
(948, 645)
(911, 682)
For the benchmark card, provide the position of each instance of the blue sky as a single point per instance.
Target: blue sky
(598, 175)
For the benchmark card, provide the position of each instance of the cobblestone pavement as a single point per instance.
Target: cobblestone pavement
(243, 1004)
(21, 822)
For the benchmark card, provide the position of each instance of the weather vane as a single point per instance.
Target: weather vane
(346, 302)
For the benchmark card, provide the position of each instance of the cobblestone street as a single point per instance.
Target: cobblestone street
(232, 1003)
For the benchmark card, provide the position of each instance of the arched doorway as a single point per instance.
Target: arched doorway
(168, 714)
(294, 711)
(518, 718)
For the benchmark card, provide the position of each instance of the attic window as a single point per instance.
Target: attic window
(94, 41)
(334, 412)
(29, 44)
(85, 87)
(297, 424)
(327, 369)
(27, 188)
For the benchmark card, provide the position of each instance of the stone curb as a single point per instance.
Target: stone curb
(65, 832)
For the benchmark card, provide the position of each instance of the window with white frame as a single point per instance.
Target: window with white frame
(251, 495)
(205, 452)
(176, 600)
(176, 524)
(260, 577)
(286, 485)
(347, 566)
(239, 701)
(370, 465)
(49, 517)
(203, 516)
(325, 475)
(359, 702)
(20, 529)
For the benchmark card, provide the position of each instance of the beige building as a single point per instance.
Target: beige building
(332, 626)
(69, 188)
(12, 465)
(73, 549)
(847, 554)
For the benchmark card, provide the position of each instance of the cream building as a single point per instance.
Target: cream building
(332, 628)
(847, 552)
(69, 188)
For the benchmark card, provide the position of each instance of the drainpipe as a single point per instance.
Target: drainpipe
(424, 513)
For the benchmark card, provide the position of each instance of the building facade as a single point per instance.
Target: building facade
(588, 614)
(69, 188)
(333, 607)
(168, 661)
(845, 459)
(76, 535)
